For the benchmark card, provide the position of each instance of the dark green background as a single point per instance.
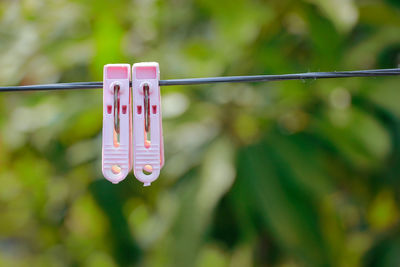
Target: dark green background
(297, 173)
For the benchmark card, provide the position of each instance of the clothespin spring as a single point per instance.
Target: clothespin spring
(116, 109)
(146, 108)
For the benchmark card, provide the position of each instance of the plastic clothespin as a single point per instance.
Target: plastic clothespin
(148, 144)
(117, 122)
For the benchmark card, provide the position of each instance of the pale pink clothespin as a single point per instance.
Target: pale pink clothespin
(117, 122)
(148, 146)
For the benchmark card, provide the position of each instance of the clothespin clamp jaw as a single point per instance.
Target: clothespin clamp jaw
(148, 144)
(117, 122)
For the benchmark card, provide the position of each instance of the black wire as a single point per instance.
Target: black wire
(55, 86)
(226, 79)
(300, 76)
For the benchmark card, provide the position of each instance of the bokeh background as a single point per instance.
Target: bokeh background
(296, 173)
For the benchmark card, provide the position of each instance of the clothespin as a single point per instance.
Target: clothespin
(148, 144)
(117, 122)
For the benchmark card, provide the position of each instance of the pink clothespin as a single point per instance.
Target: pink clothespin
(117, 122)
(148, 145)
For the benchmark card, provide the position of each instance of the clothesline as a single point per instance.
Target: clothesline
(223, 79)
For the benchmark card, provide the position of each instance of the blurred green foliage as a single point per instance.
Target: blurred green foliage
(270, 174)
